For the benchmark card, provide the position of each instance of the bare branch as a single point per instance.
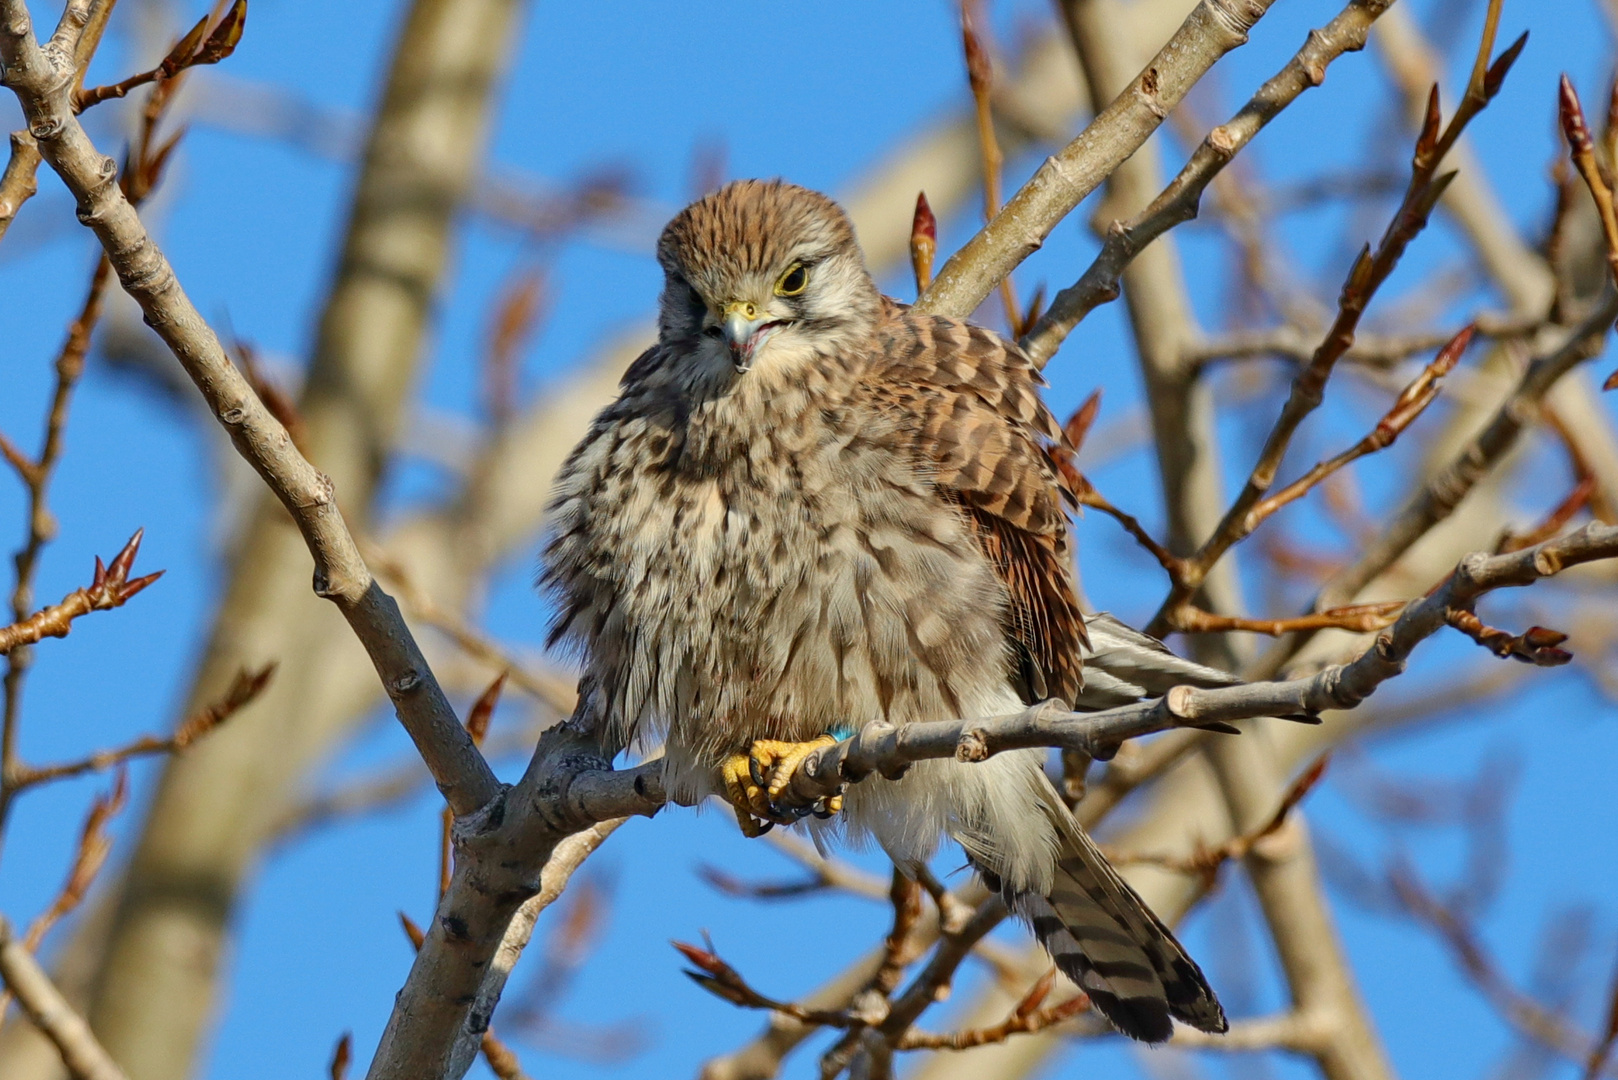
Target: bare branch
(1300, 1032)
(1205, 862)
(340, 573)
(888, 750)
(1179, 201)
(1026, 1018)
(50, 1012)
(243, 690)
(980, 74)
(502, 1060)
(18, 183)
(1438, 498)
(1366, 276)
(1213, 28)
(110, 587)
(1358, 618)
(1582, 148)
(553, 690)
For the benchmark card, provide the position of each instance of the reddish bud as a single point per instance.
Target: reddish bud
(477, 721)
(1542, 637)
(1427, 141)
(979, 70)
(1036, 305)
(133, 587)
(341, 1056)
(1574, 127)
(413, 931)
(1502, 66)
(702, 958)
(1450, 354)
(222, 42)
(1078, 425)
(180, 55)
(121, 562)
(1036, 995)
(923, 241)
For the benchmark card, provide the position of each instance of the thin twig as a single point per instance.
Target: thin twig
(980, 75)
(1410, 404)
(243, 689)
(51, 1014)
(1205, 862)
(1582, 148)
(1357, 618)
(1596, 1062)
(192, 50)
(94, 847)
(1520, 1010)
(341, 575)
(1026, 1018)
(1366, 276)
(110, 587)
(1179, 201)
(1213, 28)
(1443, 492)
(717, 977)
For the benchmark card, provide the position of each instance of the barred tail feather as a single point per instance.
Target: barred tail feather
(1103, 936)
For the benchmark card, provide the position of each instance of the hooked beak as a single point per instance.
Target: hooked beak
(745, 331)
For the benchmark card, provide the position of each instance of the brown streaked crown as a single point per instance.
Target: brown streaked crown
(751, 228)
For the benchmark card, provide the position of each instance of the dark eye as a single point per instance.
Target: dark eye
(794, 281)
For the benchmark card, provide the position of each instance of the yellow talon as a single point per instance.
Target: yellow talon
(779, 760)
(746, 797)
(754, 779)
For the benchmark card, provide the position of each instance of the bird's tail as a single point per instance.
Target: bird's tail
(1104, 937)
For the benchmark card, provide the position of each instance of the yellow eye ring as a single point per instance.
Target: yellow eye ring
(794, 281)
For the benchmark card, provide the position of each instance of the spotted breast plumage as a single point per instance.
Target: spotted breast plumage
(811, 509)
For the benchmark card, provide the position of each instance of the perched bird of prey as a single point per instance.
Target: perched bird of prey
(810, 510)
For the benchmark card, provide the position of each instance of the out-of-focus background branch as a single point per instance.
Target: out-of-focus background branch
(434, 287)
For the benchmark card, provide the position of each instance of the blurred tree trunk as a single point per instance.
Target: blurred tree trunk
(152, 994)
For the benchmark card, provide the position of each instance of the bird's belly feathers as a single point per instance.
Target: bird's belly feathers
(806, 590)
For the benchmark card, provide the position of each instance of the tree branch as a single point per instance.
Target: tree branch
(1213, 28)
(109, 588)
(18, 183)
(1364, 279)
(1441, 494)
(50, 1012)
(1179, 201)
(43, 87)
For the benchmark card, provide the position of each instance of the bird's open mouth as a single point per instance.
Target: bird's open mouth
(743, 351)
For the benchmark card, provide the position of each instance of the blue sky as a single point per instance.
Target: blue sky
(815, 93)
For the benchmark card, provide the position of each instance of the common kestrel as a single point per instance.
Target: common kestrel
(810, 510)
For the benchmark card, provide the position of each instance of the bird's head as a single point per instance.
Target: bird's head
(765, 273)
